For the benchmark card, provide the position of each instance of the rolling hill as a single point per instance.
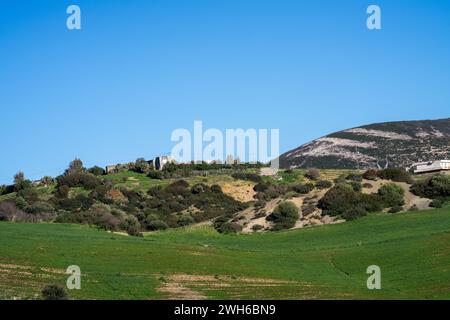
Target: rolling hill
(381, 145)
(196, 262)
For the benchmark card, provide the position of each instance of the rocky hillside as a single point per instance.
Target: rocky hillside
(389, 144)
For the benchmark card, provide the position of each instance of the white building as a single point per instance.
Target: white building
(161, 161)
(431, 166)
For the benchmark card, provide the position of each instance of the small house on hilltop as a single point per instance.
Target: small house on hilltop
(161, 161)
(111, 169)
(431, 166)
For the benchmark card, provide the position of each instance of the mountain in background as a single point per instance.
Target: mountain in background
(381, 145)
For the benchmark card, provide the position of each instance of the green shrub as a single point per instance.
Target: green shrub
(324, 184)
(261, 187)
(54, 292)
(371, 174)
(47, 180)
(284, 216)
(395, 174)
(341, 179)
(395, 209)
(100, 193)
(257, 227)
(436, 186)
(229, 227)
(343, 199)
(371, 202)
(40, 207)
(199, 188)
(157, 225)
(96, 171)
(354, 177)
(178, 187)
(216, 188)
(134, 231)
(313, 174)
(141, 166)
(356, 185)
(79, 179)
(392, 195)
(30, 195)
(153, 174)
(75, 166)
(21, 203)
(62, 192)
(247, 176)
(354, 213)
(301, 188)
(185, 220)
(436, 203)
(20, 182)
(339, 199)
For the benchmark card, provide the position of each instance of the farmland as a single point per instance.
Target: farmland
(196, 262)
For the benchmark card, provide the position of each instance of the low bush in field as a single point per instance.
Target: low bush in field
(229, 227)
(257, 227)
(395, 209)
(157, 225)
(354, 213)
(54, 292)
(247, 176)
(300, 188)
(343, 200)
(284, 216)
(354, 177)
(392, 195)
(313, 174)
(324, 184)
(371, 174)
(339, 199)
(395, 174)
(436, 203)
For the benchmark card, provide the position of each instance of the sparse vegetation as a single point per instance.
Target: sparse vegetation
(132, 202)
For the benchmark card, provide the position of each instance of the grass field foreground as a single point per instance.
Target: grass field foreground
(329, 262)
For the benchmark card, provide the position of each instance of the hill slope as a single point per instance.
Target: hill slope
(412, 250)
(389, 144)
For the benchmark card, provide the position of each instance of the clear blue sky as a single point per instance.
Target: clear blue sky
(137, 70)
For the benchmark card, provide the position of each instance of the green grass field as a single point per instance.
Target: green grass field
(328, 262)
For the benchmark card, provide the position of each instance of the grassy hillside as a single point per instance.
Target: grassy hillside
(412, 249)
